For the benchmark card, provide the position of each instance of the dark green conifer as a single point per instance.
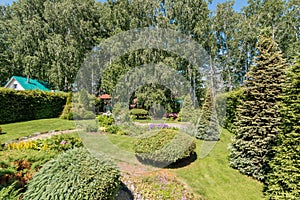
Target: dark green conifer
(258, 115)
(283, 179)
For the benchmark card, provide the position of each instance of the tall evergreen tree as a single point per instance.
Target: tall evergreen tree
(258, 115)
(283, 179)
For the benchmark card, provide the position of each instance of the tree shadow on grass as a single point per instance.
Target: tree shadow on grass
(178, 164)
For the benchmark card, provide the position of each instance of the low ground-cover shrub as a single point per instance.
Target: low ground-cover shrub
(10, 193)
(20, 165)
(172, 116)
(160, 186)
(61, 142)
(158, 126)
(132, 129)
(114, 129)
(164, 147)
(105, 120)
(75, 174)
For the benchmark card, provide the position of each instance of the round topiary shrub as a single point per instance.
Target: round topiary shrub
(75, 174)
(164, 147)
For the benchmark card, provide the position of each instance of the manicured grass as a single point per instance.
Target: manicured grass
(210, 176)
(22, 129)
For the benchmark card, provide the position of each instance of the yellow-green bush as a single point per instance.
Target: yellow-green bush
(164, 147)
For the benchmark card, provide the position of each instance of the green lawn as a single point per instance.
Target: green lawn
(210, 176)
(21, 129)
(213, 178)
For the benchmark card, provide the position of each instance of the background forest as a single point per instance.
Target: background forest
(49, 40)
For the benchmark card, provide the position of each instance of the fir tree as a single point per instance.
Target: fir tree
(208, 126)
(283, 179)
(258, 115)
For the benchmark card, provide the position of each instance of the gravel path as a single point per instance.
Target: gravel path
(45, 135)
(176, 125)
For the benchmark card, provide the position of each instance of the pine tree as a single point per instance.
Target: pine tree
(208, 126)
(258, 115)
(283, 179)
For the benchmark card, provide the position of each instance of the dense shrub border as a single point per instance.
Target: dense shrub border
(227, 113)
(21, 105)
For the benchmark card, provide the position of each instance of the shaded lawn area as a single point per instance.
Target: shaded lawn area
(210, 176)
(22, 129)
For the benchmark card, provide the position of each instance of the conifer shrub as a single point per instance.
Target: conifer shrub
(188, 112)
(164, 147)
(75, 174)
(67, 111)
(10, 193)
(258, 115)
(208, 125)
(79, 106)
(283, 177)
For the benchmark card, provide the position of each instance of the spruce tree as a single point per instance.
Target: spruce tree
(208, 126)
(283, 179)
(258, 114)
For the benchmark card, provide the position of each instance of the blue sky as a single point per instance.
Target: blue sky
(238, 3)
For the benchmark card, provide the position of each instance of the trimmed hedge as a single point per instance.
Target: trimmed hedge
(75, 174)
(21, 105)
(164, 147)
(139, 113)
(226, 106)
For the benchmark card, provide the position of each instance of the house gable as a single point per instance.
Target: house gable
(14, 84)
(23, 83)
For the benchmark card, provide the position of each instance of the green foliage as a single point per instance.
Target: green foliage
(10, 192)
(283, 178)
(258, 115)
(208, 124)
(79, 112)
(188, 112)
(61, 142)
(82, 106)
(165, 146)
(67, 112)
(75, 174)
(226, 106)
(20, 165)
(19, 105)
(139, 113)
(105, 121)
(114, 129)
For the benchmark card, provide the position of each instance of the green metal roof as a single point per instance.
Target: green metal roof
(33, 84)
